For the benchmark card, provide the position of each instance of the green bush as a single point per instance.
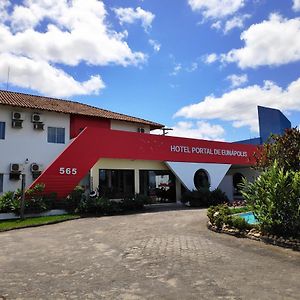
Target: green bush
(239, 223)
(133, 203)
(217, 197)
(219, 215)
(222, 215)
(274, 198)
(197, 198)
(34, 201)
(204, 197)
(73, 200)
(8, 203)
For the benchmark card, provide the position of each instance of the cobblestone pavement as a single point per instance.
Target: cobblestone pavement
(154, 255)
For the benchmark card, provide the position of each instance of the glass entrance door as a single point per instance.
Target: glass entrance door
(158, 184)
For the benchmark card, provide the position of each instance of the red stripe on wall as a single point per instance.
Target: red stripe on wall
(93, 143)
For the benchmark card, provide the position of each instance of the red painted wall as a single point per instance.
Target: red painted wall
(94, 143)
(78, 123)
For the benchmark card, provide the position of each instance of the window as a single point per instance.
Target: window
(237, 180)
(201, 179)
(116, 184)
(158, 184)
(1, 183)
(2, 130)
(56, 135)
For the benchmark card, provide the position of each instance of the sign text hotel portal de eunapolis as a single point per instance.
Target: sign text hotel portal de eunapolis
(207, 151)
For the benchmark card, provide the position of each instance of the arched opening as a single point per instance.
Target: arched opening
(237, 179)
(201, 179)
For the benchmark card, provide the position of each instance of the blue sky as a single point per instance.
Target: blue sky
(201, 67)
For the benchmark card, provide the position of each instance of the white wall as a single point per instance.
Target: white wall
(185, 171)
(127, 126)
(27, 143)
(226, 184)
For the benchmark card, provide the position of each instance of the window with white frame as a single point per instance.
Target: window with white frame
(56, 135)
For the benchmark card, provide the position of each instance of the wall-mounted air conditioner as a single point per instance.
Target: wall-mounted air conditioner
(36, 118)
(18, 116)
(16, 168)
(35, 168)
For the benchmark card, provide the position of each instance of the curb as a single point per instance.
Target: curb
(293, 244)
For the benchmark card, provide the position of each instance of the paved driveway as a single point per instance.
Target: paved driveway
(154, 255)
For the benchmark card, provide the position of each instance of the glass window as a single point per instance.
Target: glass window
(2, 130)
(1, 183)
(158, 184)
(56, 135)
(201, 179)
(237, 180)
(116, 184)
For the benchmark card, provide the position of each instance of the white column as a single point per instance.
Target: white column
(137, 181)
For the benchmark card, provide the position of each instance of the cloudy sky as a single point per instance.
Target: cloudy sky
(199, 66)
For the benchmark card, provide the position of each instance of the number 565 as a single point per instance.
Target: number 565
(67, 171)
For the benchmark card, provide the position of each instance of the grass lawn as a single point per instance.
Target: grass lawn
(29, 222)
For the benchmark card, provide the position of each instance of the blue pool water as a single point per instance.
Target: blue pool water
(249, 217)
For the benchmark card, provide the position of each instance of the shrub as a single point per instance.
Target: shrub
(204, 197)
(239, 223)
(274, 199)
(8, 203)
(199, 198)
(219, 215)
(217, 197)
(74, 198)
(133, 203)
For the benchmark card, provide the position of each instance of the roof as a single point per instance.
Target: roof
(67, 107)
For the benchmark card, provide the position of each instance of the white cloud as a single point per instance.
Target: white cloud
(235, 22)
(210, 58)
(273, 42)
(73, 32)
(197, 130)
(296, 5)
(193, 67)
(216, 8)
(155, 44)
(177, 68)
(237, 80)
(217, 25)
(41, 76)
(130, 16)
(239, 106)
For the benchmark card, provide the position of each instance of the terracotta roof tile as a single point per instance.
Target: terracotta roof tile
(66, 106)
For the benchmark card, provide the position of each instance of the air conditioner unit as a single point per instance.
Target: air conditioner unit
(35, 168)
(38, 126)
(141, 130)
(17, 124)
(36, 118)
(17, 116)
(16, 168)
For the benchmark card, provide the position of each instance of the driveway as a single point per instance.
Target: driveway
(166, 254)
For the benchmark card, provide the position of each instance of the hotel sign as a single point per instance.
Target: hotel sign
(208, 151)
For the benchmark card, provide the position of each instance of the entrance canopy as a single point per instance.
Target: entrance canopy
(92, 144)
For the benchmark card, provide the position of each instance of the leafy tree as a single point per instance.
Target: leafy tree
(285, 149)
(274, 198)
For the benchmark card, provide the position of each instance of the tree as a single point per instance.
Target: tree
(285, 149)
